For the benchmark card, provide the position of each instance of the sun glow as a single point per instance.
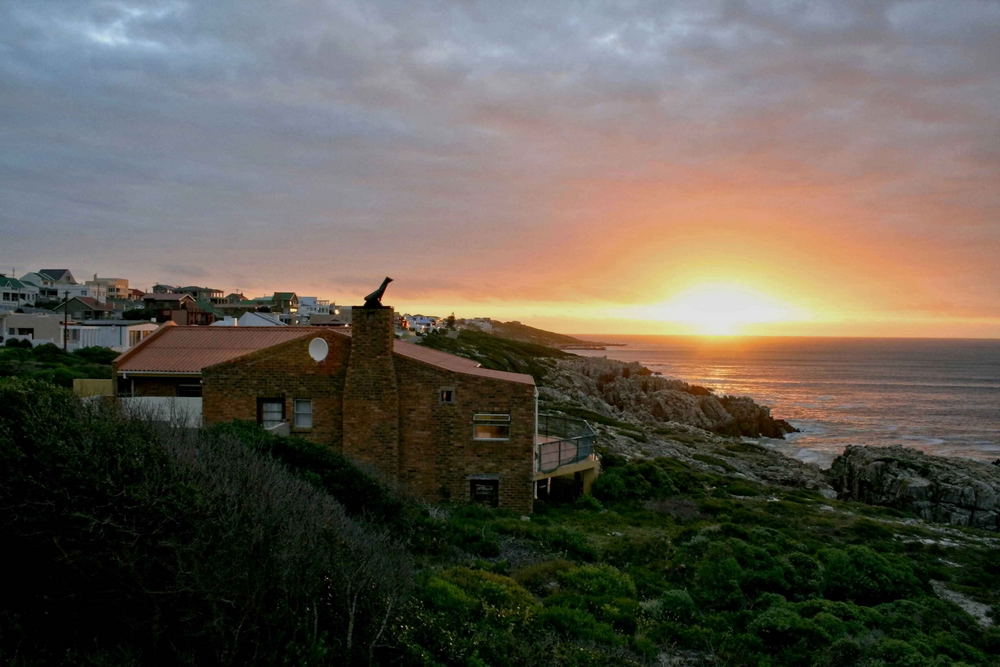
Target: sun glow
(720, 309)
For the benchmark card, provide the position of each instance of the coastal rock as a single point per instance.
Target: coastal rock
(641, 415)
(635, 394)
(949, 490)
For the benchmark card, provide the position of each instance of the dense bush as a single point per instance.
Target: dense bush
(143, 544)
(50, 363)
(176, 548)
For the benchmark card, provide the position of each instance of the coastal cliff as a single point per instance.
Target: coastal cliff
(620, 389)
(641, 415)
(949, 490)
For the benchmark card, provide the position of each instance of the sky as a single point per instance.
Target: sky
(778, 168)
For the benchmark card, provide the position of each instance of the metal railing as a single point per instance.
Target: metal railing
(572, 440)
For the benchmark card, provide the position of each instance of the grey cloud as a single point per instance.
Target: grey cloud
(445, 134)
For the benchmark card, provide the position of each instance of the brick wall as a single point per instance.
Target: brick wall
(438, 456)
(286, 371)
(371, 398)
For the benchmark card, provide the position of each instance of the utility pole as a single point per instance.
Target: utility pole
(65, 317)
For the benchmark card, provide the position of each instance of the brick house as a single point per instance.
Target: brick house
(439, 425)
(176, 307)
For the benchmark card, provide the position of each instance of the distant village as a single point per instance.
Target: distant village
(52, 306)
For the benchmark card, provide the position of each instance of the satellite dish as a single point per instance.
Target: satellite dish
(318, 349)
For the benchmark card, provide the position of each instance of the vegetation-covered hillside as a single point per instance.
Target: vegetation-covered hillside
(130, 544)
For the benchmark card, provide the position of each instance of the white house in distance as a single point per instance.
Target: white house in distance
(116, 289)
(42, 328)
(422, 324)
(16, 293)
(311, 305)
(118, 335)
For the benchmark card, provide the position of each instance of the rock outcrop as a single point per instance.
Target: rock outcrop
(633, 391)
(638, 414)
(950, 490)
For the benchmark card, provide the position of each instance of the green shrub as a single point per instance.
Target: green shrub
(597, 581)
(860, 574)
(542, 578)
(674, 605)
(320, 465)
(577, 624)
(780, 626)
(637, 480)
(718, 581)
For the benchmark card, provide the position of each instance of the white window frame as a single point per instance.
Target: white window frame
(277, 405)
(490, 419)
(300, 414)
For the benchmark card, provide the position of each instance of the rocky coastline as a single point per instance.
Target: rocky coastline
(947, 490)
(640, 414)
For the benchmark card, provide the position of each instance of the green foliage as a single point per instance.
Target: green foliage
(51, 364)
(597, 581)
(641, 480)
(229, 546)
(323, 467)
(579, 624)
(502, 354)
(127, 543)
(857, 573)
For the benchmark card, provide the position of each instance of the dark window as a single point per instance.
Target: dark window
(270, 411)
(447, 395)
(485, 491)
(490, 426)
(189, 390)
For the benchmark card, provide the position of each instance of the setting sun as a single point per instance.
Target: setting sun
(720, 309)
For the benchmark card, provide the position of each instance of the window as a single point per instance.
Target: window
(485, 491)
(490, 426)
(303, 413)
(446, 395)
(270, 411)
(191, 390)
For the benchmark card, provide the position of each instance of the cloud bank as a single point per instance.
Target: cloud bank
(564, 152)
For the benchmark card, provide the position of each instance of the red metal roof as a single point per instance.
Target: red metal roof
(456, 364)
(176, 349)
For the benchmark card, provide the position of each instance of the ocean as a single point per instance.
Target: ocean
(936, 395)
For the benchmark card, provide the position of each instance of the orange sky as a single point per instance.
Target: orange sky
(821, 168)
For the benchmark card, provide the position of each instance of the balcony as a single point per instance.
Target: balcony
(563, 445)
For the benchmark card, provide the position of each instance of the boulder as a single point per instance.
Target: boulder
(937, 488)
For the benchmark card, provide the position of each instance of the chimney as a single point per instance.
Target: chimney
(371, 394)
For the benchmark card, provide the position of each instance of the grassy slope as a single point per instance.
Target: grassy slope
(665, 560)
(722, 570)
